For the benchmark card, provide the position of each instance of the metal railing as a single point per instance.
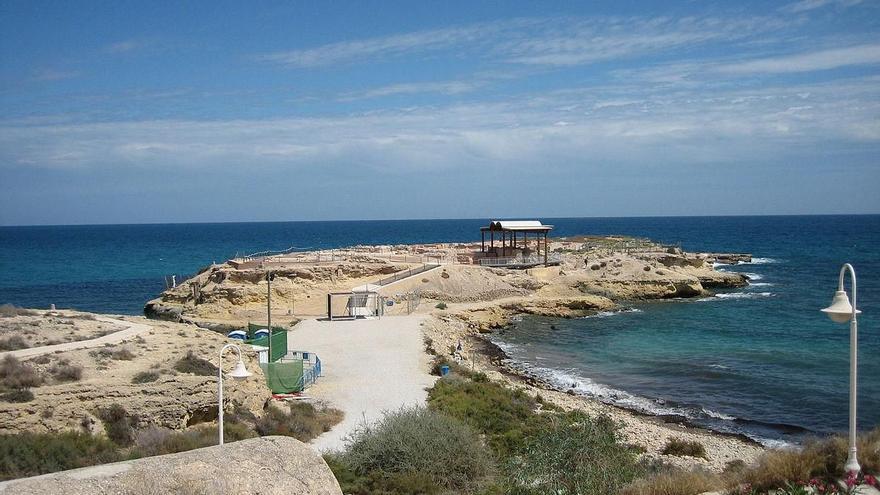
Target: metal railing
(311, 368)
(521, 261)
(406, 273)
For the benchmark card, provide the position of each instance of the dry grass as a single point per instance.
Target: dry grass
(680, 447)
(195, 365)
(674, 483)
(302, 421)
(823, 459)
(63, 371)
(13, 343)
(9, 310)
(15, 375)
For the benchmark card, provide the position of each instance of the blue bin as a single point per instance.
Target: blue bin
(444, 370)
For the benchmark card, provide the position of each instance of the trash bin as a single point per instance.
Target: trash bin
(444, 370)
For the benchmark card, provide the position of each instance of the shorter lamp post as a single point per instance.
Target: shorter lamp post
(841, 311)
(239, 373)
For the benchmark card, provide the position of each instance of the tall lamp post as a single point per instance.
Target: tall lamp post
(841, 311)
(269, 278)
(239, 373)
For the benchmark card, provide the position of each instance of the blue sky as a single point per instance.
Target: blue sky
(124, 112)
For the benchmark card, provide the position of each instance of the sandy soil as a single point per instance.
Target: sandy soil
(369, 366)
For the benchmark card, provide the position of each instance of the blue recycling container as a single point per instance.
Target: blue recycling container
(444, 370)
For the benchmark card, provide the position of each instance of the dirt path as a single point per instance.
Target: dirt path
(369, 366)
(131, 330)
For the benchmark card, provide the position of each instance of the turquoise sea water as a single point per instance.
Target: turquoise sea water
(761, 361)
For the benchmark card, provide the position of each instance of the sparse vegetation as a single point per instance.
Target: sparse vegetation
(63, 371)
(301, 420)
(23, 395)
(15, 375)
(680, 447)
(118, 424)
(13, 343)
(195, 365)
(145, 377)
(674, 482)
(441, 305)
(9, 310)
(116, 354)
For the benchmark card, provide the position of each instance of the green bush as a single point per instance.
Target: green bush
(681, 447)
(572, 454)
(118, 424)
(195, 365)
(506, 416)
(30, 454)
(23, 395)
(301, 420)
(145, 377)
(414, 450)
(441, 305)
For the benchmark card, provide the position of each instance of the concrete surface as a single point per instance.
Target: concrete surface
(369, 366)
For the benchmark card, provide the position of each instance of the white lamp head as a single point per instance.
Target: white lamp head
(840, 310)
(240, 372)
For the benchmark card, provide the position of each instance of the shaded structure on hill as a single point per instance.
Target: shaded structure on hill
(515, 239)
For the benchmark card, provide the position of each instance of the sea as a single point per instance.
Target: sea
(760, 361)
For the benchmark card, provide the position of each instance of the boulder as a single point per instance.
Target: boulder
(267, 465)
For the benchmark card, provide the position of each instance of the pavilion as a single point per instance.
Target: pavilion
(514, 237)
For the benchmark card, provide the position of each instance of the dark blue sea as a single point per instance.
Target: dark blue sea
(761, 361)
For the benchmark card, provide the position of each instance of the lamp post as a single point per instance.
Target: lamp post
(841, 311)
(269, 278)
(239, 373)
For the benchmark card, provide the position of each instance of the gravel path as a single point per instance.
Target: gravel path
(369, 366)
(131, 330)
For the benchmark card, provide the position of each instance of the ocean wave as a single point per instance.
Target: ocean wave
(752, 276)
(759, 261)
(737, 295)
(761, 284)
(606, 314)
(569, 380)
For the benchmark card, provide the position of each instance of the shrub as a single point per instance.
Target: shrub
(118, 424)
(13, 343)
(681, 447)
(118, 354)
(440, 305)
(66, 372)
(819, 459)
(505, 415)
(674, 483)
(195, 365)
(16, 375)
(302, 421)
(145, 377)
(422, 450)
(573, 453)
(30, 454)
(8, 310)
(159, 441)
(24, 395)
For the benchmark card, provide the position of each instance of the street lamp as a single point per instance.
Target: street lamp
(841, 311)
(239, 373)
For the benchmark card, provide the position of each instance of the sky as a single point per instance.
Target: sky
(151, 112)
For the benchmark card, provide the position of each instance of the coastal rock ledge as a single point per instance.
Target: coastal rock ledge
(267, 465)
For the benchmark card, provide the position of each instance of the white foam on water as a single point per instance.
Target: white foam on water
(737, 295)
(753, 276)
(759, 261)
(717, 415)
(606, 314)
(761, 284)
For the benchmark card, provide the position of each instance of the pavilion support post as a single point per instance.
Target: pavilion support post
(482, 241)
(492, 240)
(545, 248)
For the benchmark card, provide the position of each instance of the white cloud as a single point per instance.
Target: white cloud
(868, 54)
(439, 87)
(55, 74)
(683, 127)
(807, 5)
